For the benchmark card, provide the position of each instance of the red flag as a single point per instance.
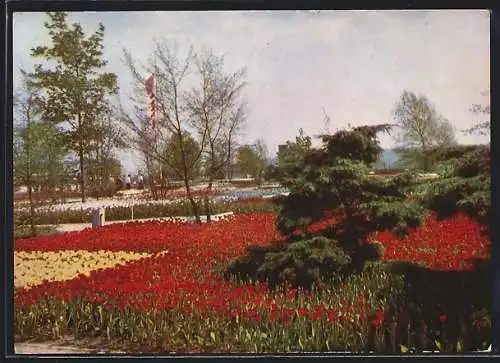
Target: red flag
(150, 84)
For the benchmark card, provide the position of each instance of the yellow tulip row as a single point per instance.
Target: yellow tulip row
(31, 268)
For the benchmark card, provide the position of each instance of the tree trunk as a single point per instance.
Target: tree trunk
(211, 175)
(208, 211)
(30, 181)
(229, 165)
(194, 206)
(32, 208)
(150, 175)
(425, 161)
(82, 174)
(80, 155)
(30, 196)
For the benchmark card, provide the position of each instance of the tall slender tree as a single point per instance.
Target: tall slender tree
(172, 117)
(38, 150)
(236, 123)
(213, 106)
(76, 88)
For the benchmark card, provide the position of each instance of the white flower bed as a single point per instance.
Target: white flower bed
(229, 195)
(95, 204)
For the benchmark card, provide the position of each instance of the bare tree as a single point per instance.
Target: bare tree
(481, 128)
(217, 113)
(172, 115)
(236, 123)
(421, 127)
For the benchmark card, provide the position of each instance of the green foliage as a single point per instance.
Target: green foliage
(252, 160)
(38, 156)
(98, 175)
(302, 263)
(75, 91)
(291, 155)
(172, 162)
(466, 187)
(395, 215)
(334, 180)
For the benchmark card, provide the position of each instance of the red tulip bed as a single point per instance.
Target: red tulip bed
(176, 300)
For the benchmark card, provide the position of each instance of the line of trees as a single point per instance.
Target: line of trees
(68, 99)
(65, 125)
(67, 102)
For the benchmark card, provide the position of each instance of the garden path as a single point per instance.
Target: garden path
(62, 228)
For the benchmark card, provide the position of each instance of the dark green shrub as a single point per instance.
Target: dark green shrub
(466, 187)
(334, 178)
(304, 263)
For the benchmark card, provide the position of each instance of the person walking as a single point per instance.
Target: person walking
(128, 181)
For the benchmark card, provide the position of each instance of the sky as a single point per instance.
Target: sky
(303, 65)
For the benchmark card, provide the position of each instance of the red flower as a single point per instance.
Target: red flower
(331, 314)
(303, 312)
(291, 294)
(379, 318)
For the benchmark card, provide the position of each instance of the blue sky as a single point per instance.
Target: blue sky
(354, 65)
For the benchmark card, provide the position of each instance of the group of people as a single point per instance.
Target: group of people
(128, 182)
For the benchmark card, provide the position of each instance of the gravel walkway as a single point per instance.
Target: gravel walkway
(56, 348)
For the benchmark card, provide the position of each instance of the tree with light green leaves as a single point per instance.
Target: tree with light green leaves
(291, 155)
(75, 89)
(38, 148)
(252, 159)
(173, 158)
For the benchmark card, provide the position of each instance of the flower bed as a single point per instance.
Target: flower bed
(178, 302)
(33, 268)
(114, 211)
(244, 194)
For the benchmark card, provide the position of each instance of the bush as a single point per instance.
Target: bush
(304, 263)
(333, 179)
